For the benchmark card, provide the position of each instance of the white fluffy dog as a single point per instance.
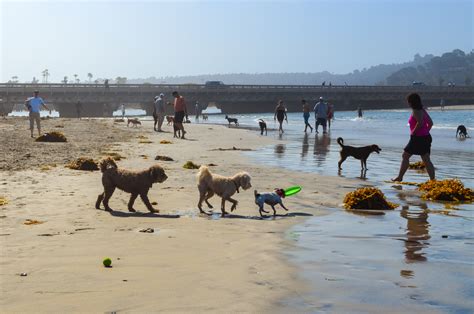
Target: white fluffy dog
(210, 184)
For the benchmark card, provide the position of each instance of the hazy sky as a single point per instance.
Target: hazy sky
(157, 38)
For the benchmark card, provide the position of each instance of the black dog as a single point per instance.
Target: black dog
(232, 120)
(361, 153)
(263, 126)
(462, 131)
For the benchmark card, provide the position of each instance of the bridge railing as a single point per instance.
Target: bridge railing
(54, 87)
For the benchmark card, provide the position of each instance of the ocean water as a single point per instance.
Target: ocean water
(416, 258)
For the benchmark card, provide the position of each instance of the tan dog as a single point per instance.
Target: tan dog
(134, 121)
(134, 182)
(210, 184)
(170, 119)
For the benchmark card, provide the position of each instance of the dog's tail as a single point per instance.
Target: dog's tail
(107, 163)
(204, 174)
(340, 141)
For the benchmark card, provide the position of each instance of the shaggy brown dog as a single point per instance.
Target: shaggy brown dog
(134, 182)
(134, 121)
(361, 153)
(210, 184)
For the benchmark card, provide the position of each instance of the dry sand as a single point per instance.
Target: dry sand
(189, 264)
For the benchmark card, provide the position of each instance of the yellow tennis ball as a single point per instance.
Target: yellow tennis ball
(107, 262)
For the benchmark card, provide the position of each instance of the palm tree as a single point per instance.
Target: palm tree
(14, 79)
(45, 75)
(75, 78)
(64, 80)
(34, 81)
(89, 75)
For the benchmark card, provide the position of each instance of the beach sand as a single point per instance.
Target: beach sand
(192, 263)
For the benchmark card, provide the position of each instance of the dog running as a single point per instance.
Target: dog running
(134, 122)
(133, 182)
(232, 120)
(169, 119)
(210, 184)
(462, 131)
(271, 199)
(263, 126)
(361, 153)
(205, 117)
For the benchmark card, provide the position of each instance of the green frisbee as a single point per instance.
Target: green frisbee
(293, 190)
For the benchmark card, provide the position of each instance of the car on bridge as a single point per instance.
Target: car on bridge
(416, 83)
(214, 84)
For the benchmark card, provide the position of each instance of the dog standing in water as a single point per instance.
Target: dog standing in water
(361, 153)
(462, 131)
(263, 126)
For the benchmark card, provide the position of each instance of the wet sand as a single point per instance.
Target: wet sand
(191, 263)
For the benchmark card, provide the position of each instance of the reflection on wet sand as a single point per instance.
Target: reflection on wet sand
(321, 148)
(417, 233)
(305, 147)
(280, 150)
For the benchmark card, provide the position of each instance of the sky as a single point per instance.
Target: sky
(140, 39)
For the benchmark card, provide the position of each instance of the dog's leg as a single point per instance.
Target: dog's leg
(281, 204)
(99, 200)
(208, 196)
(223, 208)
(365, 164)
(261, 210)
(202, 197)
(341, 161)
(133, 197)
(145, 200)
(107, 195)
(274, 211)
(234, 203)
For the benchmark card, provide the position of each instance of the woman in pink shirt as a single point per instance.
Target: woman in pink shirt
(420, 138)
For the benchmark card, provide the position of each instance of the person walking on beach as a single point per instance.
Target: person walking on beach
(321, 114)
(34, 105)
(179, 112)
(197, 110)
(123, 111)
(330, 114)
(78, 109)
(158, 112)
(280, 114)
(306, 114)
(359, 112)
(106, 84)
(420, 139)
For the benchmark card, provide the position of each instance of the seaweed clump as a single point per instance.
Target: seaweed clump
(419, 165)
(165, 142)
(367, 198)
(83, 163)
(3, 201)
(114, 155)
(190, 165)
(452, 190)
(52, 137)
(163, 158)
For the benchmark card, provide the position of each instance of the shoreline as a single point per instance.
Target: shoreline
(239, 257)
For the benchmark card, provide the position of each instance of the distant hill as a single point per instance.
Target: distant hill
(452, 67)
(375, 75)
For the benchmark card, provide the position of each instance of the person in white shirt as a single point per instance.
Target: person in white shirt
(159, 112)
(34, 105)
(321, 114)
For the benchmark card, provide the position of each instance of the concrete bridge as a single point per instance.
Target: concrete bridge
(98, 101)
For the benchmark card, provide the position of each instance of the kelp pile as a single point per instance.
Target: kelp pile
(163, 158)
(452, 190)
(114, 155)
(165, 142)
(3, 201)
(367, 198)
(52, 137)
(190, 165)
(419, 165)
(83, 163)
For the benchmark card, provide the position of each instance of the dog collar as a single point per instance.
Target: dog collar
(236, 186)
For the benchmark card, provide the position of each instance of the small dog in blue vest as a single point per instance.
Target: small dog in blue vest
(271, 199)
